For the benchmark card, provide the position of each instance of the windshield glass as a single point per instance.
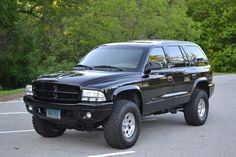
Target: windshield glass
(127, 59)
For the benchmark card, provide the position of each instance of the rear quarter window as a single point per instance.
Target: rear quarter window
(196, 56)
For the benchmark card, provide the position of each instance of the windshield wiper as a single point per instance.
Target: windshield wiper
(108, 66)
(84, 66)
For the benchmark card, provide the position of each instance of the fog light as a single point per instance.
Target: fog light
(88, 115)
(30, 108)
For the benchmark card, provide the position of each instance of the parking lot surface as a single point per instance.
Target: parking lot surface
(161, 136)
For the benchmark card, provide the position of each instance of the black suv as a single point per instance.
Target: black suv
(117, 84)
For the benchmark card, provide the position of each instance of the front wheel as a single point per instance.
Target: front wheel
(196, 111)
(123, 127)
(46, 128)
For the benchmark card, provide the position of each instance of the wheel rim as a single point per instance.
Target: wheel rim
(201, 108)
(128, 125)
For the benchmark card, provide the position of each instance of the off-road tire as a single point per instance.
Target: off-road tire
(46, 128)
(113, 126)
(191, 114)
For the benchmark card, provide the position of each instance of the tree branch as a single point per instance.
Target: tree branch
(31, 12)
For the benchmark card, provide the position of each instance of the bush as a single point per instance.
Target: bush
(224, 61)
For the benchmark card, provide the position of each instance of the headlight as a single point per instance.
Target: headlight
(29, 90)
(92, 95)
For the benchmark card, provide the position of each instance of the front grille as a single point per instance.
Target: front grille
(56, 92)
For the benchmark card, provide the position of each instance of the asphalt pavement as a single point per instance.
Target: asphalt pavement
(161, 136)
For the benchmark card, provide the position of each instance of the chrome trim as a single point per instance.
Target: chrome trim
(174, 94)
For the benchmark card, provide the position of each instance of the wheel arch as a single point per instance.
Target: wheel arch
(130, 92)
(202, 83)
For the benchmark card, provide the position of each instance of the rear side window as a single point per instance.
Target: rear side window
(175, 56)
(196, 55)
(157, 55)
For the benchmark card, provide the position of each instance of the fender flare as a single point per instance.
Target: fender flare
(126, 88)
(201, 79)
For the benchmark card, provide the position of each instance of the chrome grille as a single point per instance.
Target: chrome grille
(56, 92)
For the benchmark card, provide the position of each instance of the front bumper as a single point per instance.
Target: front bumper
(72, 115)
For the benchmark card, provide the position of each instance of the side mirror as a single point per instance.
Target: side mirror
(155, 66)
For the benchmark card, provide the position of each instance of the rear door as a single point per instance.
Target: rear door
(181, 74)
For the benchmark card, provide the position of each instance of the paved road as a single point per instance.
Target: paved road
(161, 136)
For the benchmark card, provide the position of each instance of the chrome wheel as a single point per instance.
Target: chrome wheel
(128, 125)
(201, 108)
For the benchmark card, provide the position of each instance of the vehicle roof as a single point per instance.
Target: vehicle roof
(148, 43)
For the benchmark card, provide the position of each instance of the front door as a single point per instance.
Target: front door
(157, 84)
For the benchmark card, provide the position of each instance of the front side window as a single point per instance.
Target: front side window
(196, 56)
(125, 58)
(157, 55)
(175, 56)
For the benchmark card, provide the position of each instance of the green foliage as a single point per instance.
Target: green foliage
(122, 20)
(17, 58)
(218, 31)
(225, 61)
(11, 92)
(38, 36)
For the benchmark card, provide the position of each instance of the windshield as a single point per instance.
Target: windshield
(124, 58)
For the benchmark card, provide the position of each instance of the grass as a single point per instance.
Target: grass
(220, 73)
(216, 73)
(5, 92)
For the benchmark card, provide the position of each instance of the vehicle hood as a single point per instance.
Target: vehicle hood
(91, 78)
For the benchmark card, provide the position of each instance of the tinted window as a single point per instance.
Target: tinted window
(175, 56)
(157, 55)
(121, 57)
(196, 56)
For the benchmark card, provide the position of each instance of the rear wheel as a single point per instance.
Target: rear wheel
(46, 128)
(196, 111)
(123, 127)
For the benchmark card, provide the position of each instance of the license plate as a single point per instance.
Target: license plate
(53, 113)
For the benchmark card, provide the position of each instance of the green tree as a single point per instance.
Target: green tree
(218, 31)
(16, 45)
(122, 20)
(39, 36)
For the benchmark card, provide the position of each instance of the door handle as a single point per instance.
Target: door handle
(169, 78)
